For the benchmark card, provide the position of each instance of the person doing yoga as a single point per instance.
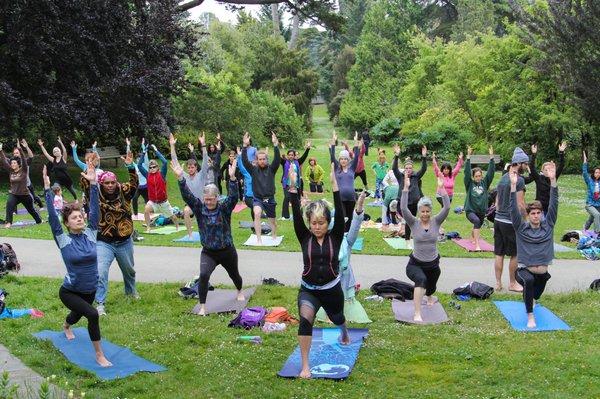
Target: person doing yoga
(592, 202)
(344, 175)
(423, 266)
(320, 285)
(18, 193)
(214, 225)
(142, 189)
(58, 161)
(415, 193)
(23, 144)
(535, 242)
(477, 190)
(448, 174)
(78, 249)
(542, 182)
(313, 174)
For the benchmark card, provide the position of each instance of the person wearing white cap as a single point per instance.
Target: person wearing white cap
(344, 173)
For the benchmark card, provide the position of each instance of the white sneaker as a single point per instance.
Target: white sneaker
(282, 218)
(101, 310)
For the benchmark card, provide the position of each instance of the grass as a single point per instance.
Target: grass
(572, 214)
(475, 355)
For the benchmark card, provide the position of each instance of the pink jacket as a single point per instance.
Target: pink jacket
(449, 180)
(361, 161)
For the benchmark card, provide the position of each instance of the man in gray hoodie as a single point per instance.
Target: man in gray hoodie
(504, 233)
(535, 242)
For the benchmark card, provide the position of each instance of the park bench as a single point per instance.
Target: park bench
(110, 152)
(484, 159)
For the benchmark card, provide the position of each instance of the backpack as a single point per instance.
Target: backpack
(595, 285)
(191, 288)
(474, 289)
(249, 318)
(392, 288)
(8, 259)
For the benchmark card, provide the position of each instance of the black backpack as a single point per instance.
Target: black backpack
(595, 285)
(475, 289)
(392, 288)
(8, 259)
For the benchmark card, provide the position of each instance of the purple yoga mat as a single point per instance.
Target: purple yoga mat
(225, 301)
(469, 246)
(405, 312)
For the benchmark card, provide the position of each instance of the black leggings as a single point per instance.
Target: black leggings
(143, 191)
(476, 219)
(424, 274)
(285, 207)
(36, 199)
(413, 209)
(309, 302)
(316, 187)
(533, 286)
(209, 259)
(27, 201)
(80, 306)
(349, 213)
(363, 177)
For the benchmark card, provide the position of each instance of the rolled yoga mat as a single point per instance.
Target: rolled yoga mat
(469, 246)
(514, 312)
(405, 312)
(80, 352)
(267, 241)
(225, 301)
(328, 358)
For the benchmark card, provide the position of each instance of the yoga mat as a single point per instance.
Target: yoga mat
(327, 358)
(353, 311)
(514, 312)
(162, 230)
(249, 225)
(22, 223)
(405, 311)
(195, 238)
(396, 243)
(469, 246)
(562, 248)
(140, 216)
(22, 211)
(358, 244)
(239, 207)
(79, 351)
(267, 241)
(225, 301)
(370, 225)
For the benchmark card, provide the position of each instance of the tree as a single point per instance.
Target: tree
(105, 67)
(341, 67)
(567, 33)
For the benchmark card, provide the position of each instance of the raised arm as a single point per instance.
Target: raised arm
(232, 197)
(189, 198)
(515, 209)
(63, 149)
(5, 163)
(332, 156)
(76, 159)
(421, 171)
(164, 163)
(440, 217)
(468, 173)
(561, 163)
(489, 174)
(436, 169)
(338, 218)
(172, 142)
(48, 157)
(29, 152)
(357, 219)
(354, 162)
(397, 174)
(459, 165)
(277, 159)
(142, 164)
(304, 155)
(406, 214)
(302, 232)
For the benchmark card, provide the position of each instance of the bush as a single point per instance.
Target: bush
(386, 130)
(446, 138)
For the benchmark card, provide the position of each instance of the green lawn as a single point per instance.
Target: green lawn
(475, 355)
(572, 214)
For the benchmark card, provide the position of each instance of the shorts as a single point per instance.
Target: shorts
(267, 205)
(505, 241)
(163, 208)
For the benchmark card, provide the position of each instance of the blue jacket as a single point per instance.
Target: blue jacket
(592, 186)
(247, 177)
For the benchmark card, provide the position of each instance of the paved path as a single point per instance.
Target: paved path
(178, 264)
(28, 380)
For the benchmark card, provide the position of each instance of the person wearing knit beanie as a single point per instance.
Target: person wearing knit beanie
(519, 156)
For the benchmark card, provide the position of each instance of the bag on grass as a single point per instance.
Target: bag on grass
(8, 259)
(474, 289)
(595, 285)
(280, 314)
(392, 288)
(249, 318)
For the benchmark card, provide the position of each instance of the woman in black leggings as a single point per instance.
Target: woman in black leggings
(320, 285)
(214, 225)
(58, 160)
(18, 171)
(78, 249)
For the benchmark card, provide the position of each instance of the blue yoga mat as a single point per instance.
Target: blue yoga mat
(195, 238)
(328, 358)
(80, 352)
(516, 315)
(358, 244)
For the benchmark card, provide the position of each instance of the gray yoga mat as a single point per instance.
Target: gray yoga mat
(405, 311)
(225, 301)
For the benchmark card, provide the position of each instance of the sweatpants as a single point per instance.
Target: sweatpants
(27, 201)
(80, 306)
(209, 259)
(143, 191)
(533, 286)
(310, 301)
(424, 274)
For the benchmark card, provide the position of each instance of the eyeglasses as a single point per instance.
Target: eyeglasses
(153, 167)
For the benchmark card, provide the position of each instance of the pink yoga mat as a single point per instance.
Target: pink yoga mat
(469, 246)
(239, 207)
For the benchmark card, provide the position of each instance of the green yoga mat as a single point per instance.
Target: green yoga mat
(163, 230)
(396, 243)
(353, 311)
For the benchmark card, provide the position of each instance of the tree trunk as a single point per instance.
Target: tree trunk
(295, 31)
(275, 17)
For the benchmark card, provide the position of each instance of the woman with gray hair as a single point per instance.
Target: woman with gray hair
(423, 266)
(214, 225)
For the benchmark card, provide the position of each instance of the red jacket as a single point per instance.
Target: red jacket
(157, 187)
